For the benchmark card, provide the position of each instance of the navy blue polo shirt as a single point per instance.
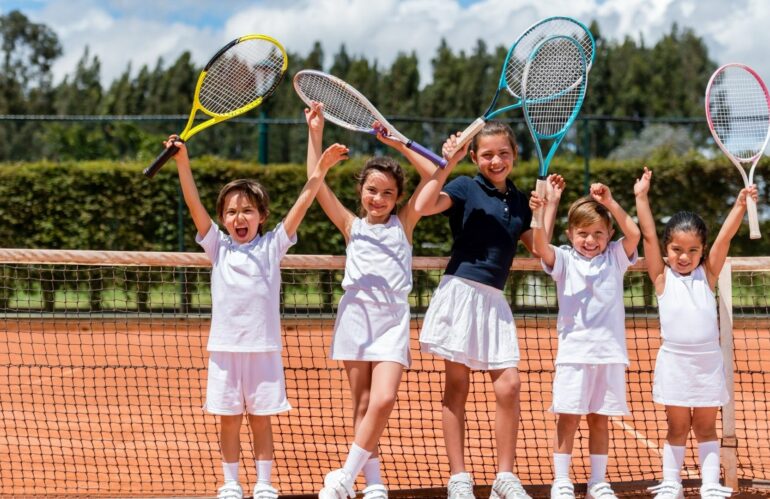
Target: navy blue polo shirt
(486, 226)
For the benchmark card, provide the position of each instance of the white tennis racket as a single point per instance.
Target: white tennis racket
(738, 114)
(348, 108)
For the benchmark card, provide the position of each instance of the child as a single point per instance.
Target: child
(469, 322)
(371, 333)
(245, 370)
(689, 375)
(591, 358)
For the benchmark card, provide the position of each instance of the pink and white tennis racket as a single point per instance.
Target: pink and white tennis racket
(738, 114)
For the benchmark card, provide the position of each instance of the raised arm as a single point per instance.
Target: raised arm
(428, 198)
(330, 157)
(718, 252)
(601, 193)
(340, 216)
(652, 255)
(200, 216)
(541, 236)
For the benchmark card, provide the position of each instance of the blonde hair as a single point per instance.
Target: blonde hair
(586, 211)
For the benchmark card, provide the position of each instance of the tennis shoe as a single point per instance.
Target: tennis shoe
(230, 490)
(376, 491)
(460, 486)
(337, 485)
(600, 490)
(508, 488)
(667, 489)
(562, 489)
(265, 491)
(714, 491)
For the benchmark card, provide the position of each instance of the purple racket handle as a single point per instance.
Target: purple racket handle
(161, 160)
(426, 153)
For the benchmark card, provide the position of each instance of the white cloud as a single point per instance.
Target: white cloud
(140, 31)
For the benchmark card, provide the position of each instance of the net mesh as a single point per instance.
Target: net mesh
(249, 70)
(555, 26)
(739, 111)
(343, 105)
(103, 374)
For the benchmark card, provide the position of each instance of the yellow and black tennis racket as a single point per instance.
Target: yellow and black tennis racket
(236, 80)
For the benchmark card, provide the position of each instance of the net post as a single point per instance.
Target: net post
(729, 445)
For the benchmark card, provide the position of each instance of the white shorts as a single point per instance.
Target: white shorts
(590, 389)
(371, 331)
(472, 324)
(250, 382)
(692, 379)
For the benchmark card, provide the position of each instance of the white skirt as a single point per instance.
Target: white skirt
(691, 378)
(371, 331)
(470, 323)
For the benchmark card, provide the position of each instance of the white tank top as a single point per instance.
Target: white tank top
(688, 312)
(379, 260)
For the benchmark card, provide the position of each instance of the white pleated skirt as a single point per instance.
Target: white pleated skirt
(690, 376)
(470, 323)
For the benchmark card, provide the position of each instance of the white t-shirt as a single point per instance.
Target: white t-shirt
(591, 323)
(245, 290)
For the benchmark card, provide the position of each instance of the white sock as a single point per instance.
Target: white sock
(356, 460)
(561, 465)
(264, 469)
(708, 455)
(673, 458)
(598, 468)
(506, 475)
(231, 471)
(372, 471)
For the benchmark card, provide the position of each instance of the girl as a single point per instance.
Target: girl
(689, 375)
(245, 370)
(371, 333)
(592, 356)
(469, 323)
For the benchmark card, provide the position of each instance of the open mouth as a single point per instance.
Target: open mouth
(241, 231)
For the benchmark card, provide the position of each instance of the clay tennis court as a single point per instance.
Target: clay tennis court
(105, 404)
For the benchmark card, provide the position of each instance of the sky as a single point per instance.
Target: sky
(140, 31)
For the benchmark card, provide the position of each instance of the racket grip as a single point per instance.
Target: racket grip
(471, 131)
(537, 215)
(751, 208)
(426, 153)
(161, 160)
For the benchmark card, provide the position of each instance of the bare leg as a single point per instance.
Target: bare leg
(507, 385)
(456, 389)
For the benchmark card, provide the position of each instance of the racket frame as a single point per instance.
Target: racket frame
(748, 179)
(189, 129)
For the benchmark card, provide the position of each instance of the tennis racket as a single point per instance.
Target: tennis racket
(348, 108)
(516, 59)
(553, 86)
(738, 114)
(236, 80)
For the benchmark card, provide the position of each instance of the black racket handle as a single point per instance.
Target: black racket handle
(161, 160)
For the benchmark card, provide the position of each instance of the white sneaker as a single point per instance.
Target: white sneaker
(508, 488)
(600, 490)
(337, 485)
(376, 491)
(715, 491)
(460, 486)
(562, 489)
(667, 489)
(265, 491)
(230, 490)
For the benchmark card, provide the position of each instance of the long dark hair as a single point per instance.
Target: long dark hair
(386, 165)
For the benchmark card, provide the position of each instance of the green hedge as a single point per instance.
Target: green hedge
(110, 205)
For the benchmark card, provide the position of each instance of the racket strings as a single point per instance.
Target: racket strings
(246, 72)
(514, 68)
(739, 112)
(554, 86)
(340, 105)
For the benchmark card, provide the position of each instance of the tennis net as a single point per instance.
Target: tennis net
(103, 372)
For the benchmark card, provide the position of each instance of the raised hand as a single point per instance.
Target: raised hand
(331, 156)
(601, 194)
(642, 184)
(314, 116)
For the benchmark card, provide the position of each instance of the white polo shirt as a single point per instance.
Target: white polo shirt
(591, 323)
(245, 290)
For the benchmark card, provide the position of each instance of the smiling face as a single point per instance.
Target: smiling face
(684, 251)
(241, 217)
(379, 195)
(590, 240)
(494, 155)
